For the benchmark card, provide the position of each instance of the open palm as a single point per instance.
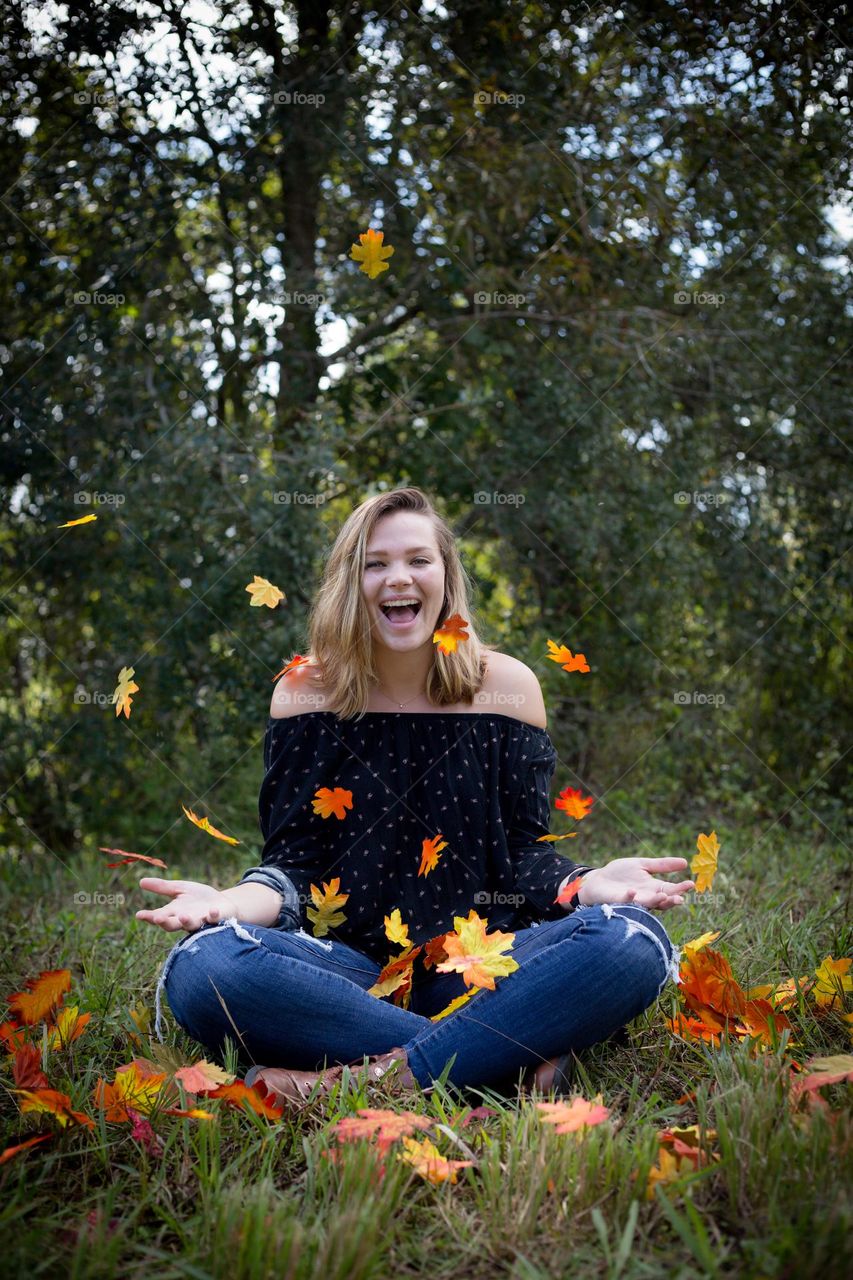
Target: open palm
(632, 880)
(193, 904)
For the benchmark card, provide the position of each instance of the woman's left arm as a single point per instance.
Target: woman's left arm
(632, 880)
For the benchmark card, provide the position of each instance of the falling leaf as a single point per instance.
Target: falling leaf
(427, 1160)
(263, 592)
(121, 694)
(70, 524)
(396, 931)
(295, 662)
(704, 940)
(451, 633)
(127, 859)
(396, 978)
(833, 980)
(203, 1075)
(569, 835)
(45, 994)
(565, 895)
(386, 1127)
(704, 863)
(69, 1024)
(565, 657)
(434, 951)
(430, 853)
(371, 253)
(136, 1086)
(204, 824)
(26, 1068)
(51, 1102)
(568, 1117)
(574, 803)
(327, 802)
(327, 916)
(11, 1152)
(453, 1006)
(474, 954)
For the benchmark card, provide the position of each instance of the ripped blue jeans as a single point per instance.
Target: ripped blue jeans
(288, 999)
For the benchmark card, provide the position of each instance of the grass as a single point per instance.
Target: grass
(242, 1197)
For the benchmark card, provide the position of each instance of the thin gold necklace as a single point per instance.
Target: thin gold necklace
(401, 705)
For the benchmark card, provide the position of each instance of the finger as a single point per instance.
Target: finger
(664, 886)
(169, 887)
(663, 864)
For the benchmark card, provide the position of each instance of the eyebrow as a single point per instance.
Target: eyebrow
(410, 551)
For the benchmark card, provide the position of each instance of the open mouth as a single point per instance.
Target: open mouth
(400, 614)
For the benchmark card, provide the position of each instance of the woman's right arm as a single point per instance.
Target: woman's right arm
(193, 904)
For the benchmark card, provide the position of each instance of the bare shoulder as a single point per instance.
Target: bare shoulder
(516, 689)
(300, 690)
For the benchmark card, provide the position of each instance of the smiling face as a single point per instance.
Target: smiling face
(403, 560)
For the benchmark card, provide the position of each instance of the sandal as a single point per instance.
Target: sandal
(297, 1089)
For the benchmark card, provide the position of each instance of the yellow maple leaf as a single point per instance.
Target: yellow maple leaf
(204, 824)
(325, 914)
(454, 1004)
(696, 944)
(371, 253)
(68, 1025)
(476, 955)
(451, 633)
(395, 930)
(833, 980)
(669, 1168)
(426, 1159)
(123, 690)
(69, 524)
(704, 863)
(263, 592)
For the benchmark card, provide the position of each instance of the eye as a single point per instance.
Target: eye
(417, 560)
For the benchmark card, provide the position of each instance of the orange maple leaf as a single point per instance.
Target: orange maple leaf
(46, 993)
(121, 694)
(10, 1152)
(434, 951)
(567, 660)
(204, 824)
(26, 1068)
(569, 1117)
(296, 661)
(327, 802)
(371, 253)
(451, 633)
(572, 801)
(257, 1096)
(13, 1036)
(396, 978)
(203, 1075)
(707, 979)
(52, 1102)
(688, 1029)
(127, 859)
(430, 854)
(386, 1127)
(758, 1017)
(565, 895)
(326, 916)
(476, 955)
(137, 1086)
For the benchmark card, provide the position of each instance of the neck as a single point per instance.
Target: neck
(403, 676)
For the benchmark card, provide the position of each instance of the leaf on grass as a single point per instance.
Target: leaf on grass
(430, 854)
(823, 1071)
(121, 694)
(570, 1116)
(691, 1143)
(574, 803)
(325, 914)
(704, 863)
(327, 802)
(704, 940)
(707, 979)
(669, 1168)
(46, 993)
(396, 931)
(68, 1025)
(204, 824)
(263, 592)
(385, 1127)
(567, 660)
(257, 1096)
(478, 956)
(127, 859)
(203, 1075)
(26, 1068)
(53, 1103)
(371, 253)
(693, 1029)
(13, 1036)
(137, 1086)
(453, 1006)
(427, 1160)
(833, 980)
(451, 633)
(11, 1152)
(758, 1017)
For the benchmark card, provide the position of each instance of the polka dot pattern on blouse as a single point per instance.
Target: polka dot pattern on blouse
(479, 780)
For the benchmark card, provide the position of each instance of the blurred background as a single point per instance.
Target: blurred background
(612, 345)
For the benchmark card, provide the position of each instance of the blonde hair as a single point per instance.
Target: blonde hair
(339, 628)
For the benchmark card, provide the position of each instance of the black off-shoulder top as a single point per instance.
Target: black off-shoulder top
(480, 780)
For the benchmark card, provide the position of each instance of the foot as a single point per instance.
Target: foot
(296, 1087)
(541, 1077)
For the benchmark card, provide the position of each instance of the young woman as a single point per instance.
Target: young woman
(430, 745)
